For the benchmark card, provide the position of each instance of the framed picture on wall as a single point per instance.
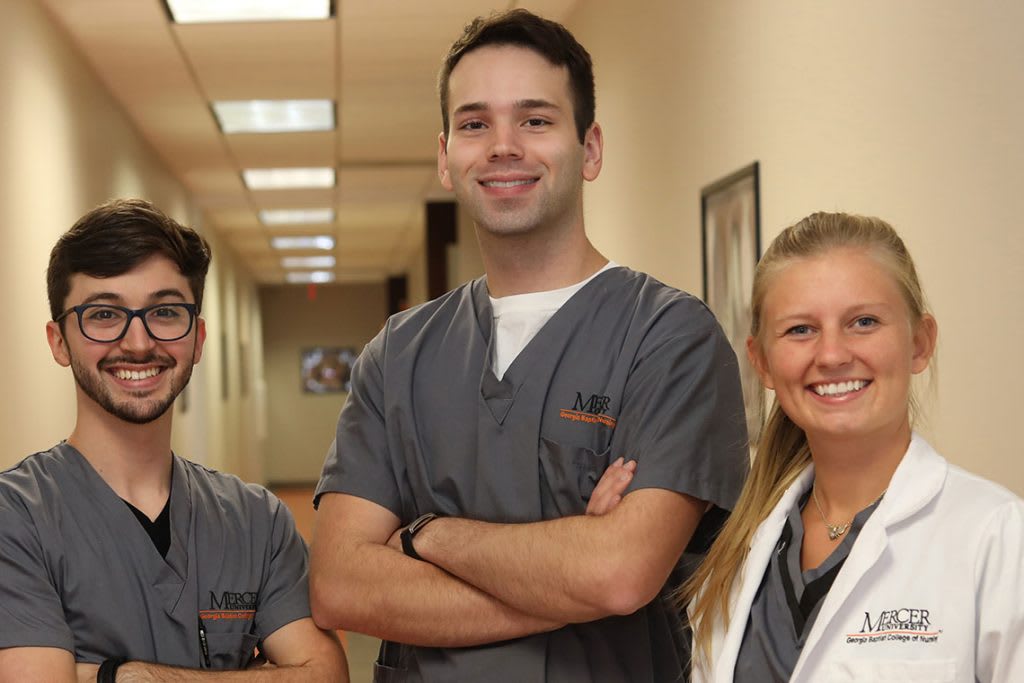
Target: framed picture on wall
(731, 242)
(327, 370)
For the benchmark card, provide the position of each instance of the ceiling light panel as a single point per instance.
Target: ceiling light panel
(205, 11)
(303, 242)
(308, 262)
(315, 276)
(296, 216)
(288, 178)
(274, 116)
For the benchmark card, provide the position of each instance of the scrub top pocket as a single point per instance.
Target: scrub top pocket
(231, 650)
(893, 671)
(570, 474)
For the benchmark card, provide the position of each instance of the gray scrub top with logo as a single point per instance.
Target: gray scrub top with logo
(80, 573)
(627, 367)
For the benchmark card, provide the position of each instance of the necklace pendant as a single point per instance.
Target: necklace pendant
(836, 530)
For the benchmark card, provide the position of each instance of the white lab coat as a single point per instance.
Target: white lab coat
(933, 588)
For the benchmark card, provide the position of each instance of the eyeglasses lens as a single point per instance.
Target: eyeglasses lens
(166, 322)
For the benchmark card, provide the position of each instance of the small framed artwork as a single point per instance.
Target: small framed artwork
(327, 370)
(731, 241)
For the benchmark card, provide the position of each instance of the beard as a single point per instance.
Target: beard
(137, 410)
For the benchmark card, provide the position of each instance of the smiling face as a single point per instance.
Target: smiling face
(838, 346)
(135, 379)
(512, 155)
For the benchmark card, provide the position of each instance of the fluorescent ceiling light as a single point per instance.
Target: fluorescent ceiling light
(308, 262)
(293, 216)
(310, 276)
(288, 178)
(308, 242)
(201, 11)
(274, 116)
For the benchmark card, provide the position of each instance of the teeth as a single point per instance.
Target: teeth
(839, 388)
(506, 183)
(135, 374)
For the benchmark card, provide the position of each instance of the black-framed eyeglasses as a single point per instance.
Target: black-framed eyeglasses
(106, 323)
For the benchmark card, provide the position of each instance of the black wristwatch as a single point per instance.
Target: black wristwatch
(107, 673)
(409, 532)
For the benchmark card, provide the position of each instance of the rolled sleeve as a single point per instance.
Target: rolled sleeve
(683, 417)
(357, 462)
(31, 614)
(284, 595)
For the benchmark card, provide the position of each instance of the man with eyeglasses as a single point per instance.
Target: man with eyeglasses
(120, 560)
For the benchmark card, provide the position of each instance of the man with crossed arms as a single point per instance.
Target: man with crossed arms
(452, 505)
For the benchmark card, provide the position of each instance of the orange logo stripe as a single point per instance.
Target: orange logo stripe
(590, 418)
(219, 614)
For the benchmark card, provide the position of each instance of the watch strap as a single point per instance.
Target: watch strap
(107, 673)
(409, 532)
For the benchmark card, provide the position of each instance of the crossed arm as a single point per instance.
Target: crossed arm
(484, 582)
(297, 652)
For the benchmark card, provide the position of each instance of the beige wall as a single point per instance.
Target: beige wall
(65, 146)
(912, 111)
(222, 421)
(416, 274)
(464, 260)
(300, 426)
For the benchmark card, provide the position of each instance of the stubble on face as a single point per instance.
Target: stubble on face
(139, 409)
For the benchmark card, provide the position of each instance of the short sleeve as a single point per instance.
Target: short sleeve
(30, 606)
(999, 577)
(284, 595)
(682, 414)
(358, 462)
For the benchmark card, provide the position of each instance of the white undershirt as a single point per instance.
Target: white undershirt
(517, 318)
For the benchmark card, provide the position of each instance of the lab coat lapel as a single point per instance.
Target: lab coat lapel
(762, 545)
(866, 550)
(916, 481)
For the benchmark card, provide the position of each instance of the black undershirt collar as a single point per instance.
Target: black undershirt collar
(159, 529)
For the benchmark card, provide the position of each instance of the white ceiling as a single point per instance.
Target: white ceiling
(377, 59)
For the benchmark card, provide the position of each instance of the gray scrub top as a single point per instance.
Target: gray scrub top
(780, 622)
(80, 573)
(627, 367)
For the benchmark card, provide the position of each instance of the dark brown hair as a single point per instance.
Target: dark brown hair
(115, 237)
(551, 40)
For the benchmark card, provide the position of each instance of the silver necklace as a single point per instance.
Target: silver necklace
(836, 530)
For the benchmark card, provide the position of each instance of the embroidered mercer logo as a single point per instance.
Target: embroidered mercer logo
(595, 405)
(591, 410)
(231, 605)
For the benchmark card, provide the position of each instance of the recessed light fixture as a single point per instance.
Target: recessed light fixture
(294, 216)
(305, 242)
(288, 178)
(308, 262)
(308, 276)
(202, 11)
(274, 116)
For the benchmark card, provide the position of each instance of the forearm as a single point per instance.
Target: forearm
(374, 589)
(571, 569)
(544, 568)
(145, 672)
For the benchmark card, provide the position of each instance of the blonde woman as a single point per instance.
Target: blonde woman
(856, 552)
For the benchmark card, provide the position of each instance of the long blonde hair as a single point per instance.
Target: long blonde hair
(782, 450)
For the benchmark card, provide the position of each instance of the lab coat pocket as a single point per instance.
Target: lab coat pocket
(231, 650)
(570, 474)
(893, 671)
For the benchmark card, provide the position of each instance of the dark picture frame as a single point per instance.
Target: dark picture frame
(731, 246)
(327, 369)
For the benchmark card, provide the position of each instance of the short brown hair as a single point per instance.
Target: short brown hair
(115, 237)
(549, 39)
